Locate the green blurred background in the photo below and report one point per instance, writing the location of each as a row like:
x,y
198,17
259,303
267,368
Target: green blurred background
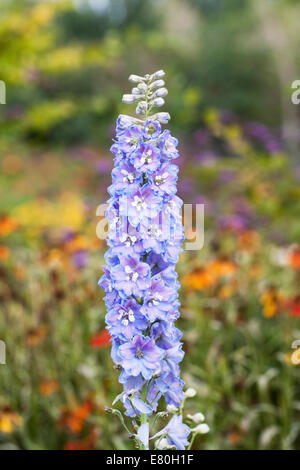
x,y
229,69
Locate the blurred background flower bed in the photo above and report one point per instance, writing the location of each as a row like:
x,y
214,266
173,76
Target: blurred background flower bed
x,y
65,65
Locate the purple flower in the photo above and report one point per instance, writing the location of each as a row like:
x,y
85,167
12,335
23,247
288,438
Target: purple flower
x,y
139,206
80,259
125,319
146,157
168,146
164,179
141,356
125,178
131,276
129,139
176,433
151,130
156,303
140,280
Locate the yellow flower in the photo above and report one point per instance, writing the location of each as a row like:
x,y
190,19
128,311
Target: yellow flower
x,y
42,13
9,420
269,300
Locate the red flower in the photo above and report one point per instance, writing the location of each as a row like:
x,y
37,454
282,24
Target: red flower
x,y
87,443
294,259
75,417
292,306
101,339
295,309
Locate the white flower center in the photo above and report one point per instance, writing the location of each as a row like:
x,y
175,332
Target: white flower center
x,y
132,275
109,285
156,299
139,203
154,231
126,316
127,239
146,157
128,177
159,179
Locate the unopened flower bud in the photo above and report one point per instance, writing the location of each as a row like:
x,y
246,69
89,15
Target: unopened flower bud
x,y
142,86
161,92
161,444
197,417
158,74
128,99
201,428
190,392
158,102
141,107
163,118
135,78
171,409
136,91
157,84
108,410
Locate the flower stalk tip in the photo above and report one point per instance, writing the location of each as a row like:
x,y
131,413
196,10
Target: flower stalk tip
x,y
148,93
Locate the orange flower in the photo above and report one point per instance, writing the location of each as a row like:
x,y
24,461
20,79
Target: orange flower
x,y
269,300
87,443
74,418
19,272
78,243
101,339
294,258
199,279
235,437
35,336
221,267
9,420
7,225
4,252
47,387
249,241
228,290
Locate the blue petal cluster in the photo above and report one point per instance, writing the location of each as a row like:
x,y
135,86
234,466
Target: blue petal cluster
x,y
140,281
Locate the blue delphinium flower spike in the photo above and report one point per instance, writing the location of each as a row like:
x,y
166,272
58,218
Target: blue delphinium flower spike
x,y
139,278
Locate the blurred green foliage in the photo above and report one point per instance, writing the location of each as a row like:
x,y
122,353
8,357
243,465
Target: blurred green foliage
x,y
65,63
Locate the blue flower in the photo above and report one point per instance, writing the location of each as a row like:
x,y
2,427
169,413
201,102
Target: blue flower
x,y
125,319
140,279
168,145
176,433
151,130
141,356
143,434
131,276
129,139
139,205
164,179
146,157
